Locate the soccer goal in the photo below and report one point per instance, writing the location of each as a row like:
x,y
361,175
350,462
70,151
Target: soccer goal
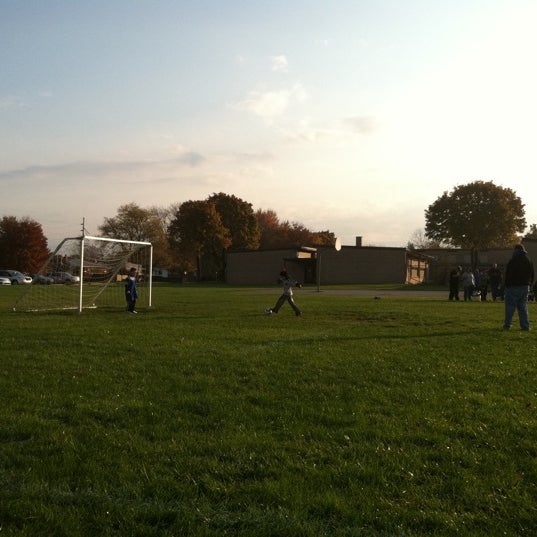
x,y
89,272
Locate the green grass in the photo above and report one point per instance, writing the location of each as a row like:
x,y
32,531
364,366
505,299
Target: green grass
x,y
401,416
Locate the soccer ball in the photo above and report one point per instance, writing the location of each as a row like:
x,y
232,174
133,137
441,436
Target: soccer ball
x,y
268,311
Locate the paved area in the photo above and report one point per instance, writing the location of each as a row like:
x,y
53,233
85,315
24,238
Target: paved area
x,y
411,293
379,292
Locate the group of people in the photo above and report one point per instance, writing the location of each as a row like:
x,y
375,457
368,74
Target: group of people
x,y
476,283
514,288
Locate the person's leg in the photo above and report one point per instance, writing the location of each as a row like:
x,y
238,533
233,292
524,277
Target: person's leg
x,y
522,308
510,306
279,303
294,306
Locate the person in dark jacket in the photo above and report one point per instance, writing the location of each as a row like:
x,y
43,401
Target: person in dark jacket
x,y
131,293
495,280
519,276
454,282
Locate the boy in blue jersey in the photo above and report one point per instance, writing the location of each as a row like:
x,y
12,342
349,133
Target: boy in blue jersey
x,y
131,293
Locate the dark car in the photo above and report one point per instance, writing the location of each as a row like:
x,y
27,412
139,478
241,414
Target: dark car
x,y
63,277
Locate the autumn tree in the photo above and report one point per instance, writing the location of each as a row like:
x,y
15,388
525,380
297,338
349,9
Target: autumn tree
x,y
135,223
268,224
477,215
238,217
23,246
196,234
276,234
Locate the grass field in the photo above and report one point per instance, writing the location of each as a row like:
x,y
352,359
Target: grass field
x,y
404,416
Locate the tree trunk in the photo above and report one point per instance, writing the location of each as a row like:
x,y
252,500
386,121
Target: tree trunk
x,y
198,266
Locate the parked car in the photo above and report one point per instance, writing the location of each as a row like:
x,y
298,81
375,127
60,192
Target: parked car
x,y
15,276
4,280
42,279
63,277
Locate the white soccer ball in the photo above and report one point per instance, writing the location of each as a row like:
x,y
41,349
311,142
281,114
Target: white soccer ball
x,y
268,311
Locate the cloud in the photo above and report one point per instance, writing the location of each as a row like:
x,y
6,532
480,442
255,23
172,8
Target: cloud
x,y
362,124
271,104
10,101
279,63
95,169
305,131
255,157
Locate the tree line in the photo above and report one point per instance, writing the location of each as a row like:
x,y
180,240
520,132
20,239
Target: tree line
x,y
188,237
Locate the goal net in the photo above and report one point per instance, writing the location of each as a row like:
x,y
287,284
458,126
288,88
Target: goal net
x,y
90,272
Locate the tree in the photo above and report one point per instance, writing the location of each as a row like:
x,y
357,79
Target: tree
x,y
475,216
238,217
268,224
276,234
197,233
323,238
532,232
419,241
134,223
23,246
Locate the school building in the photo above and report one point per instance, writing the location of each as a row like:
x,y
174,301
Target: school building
x,y
324,265
359,264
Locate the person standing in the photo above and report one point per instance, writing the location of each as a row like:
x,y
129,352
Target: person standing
x,y
484,284
287,294
495,280
131,293
519,276
454,281
468,284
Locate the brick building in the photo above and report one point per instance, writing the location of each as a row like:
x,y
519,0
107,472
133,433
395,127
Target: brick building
x,y
351,265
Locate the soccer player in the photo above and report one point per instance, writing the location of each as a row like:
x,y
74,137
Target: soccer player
x,y
287,294
131,293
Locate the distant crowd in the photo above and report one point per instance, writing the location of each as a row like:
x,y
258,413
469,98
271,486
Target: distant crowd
x,y
515,287
477,284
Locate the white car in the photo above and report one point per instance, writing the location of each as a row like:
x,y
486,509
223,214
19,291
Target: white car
x,y
4,280
15,276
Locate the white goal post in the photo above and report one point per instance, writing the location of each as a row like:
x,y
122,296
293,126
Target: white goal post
x,y
89,272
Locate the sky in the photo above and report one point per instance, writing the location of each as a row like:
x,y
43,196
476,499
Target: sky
x,y
351,116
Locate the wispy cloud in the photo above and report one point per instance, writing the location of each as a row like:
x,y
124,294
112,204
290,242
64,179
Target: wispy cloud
x,y
279,63
362,124
306,131
84,169
10,101
271,104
